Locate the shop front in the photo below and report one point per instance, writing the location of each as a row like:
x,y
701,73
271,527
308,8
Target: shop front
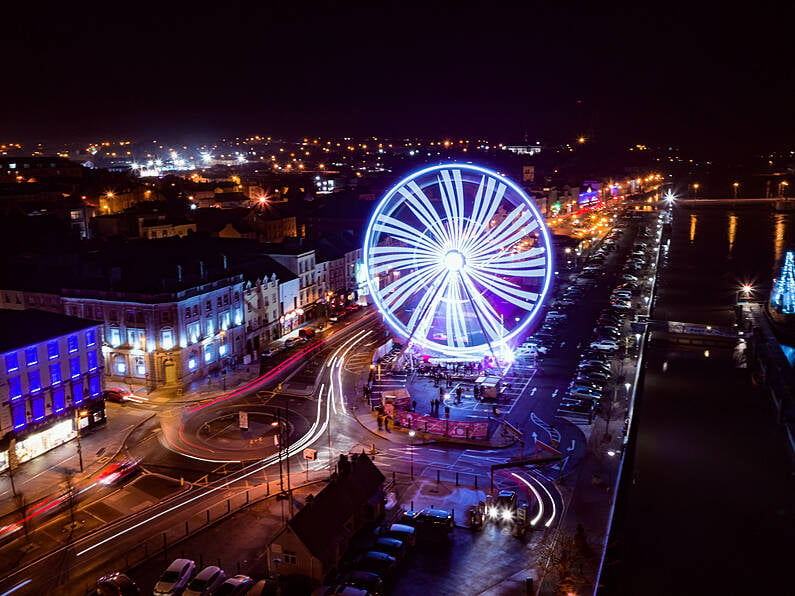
x,y
34,444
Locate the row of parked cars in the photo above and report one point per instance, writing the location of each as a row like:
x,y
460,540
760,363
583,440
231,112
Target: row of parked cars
x,y
180,579
371,568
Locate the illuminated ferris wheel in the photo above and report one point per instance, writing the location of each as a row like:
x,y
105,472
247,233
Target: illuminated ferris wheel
x,y
458,260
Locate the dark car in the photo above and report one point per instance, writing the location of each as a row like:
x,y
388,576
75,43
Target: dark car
x,y
365,580
117,584
118,471
376,562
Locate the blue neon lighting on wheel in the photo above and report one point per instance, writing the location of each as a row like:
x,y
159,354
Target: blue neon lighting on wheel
x,y
458,259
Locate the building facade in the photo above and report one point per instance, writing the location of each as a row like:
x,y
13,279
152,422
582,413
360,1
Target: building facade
x,y
51,382
167,339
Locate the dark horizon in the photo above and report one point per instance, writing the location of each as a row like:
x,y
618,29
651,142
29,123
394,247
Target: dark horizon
x,y
96,71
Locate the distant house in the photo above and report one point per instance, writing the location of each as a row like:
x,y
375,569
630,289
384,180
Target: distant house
x,y
313,541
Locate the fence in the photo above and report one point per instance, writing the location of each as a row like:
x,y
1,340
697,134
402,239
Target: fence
x,y
457,429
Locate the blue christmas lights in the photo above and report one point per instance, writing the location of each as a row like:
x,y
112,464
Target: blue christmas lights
x,y
783,298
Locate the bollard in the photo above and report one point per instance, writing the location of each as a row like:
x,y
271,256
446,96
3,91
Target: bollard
x,y
246,497
228,505
476,482
412,505
187,531
456,478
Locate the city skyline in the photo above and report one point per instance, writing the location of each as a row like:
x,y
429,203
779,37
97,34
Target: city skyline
x,y
401,71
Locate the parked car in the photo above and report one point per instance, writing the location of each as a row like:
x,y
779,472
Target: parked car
x,y
585,392
206,581
306,333
175,578
391,546
267,353
333,319
629,277
365,580
403,532
235,586
377,562
117,584
606,345
289,343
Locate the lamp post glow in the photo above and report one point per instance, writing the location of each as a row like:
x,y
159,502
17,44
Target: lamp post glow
x,y
735,187
411,436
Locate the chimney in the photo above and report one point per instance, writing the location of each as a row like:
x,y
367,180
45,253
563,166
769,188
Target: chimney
x,y
226,262
202,272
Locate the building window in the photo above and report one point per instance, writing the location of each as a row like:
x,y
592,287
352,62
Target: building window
x,y
71,344
238,317
210,326
37,405
34,381
18,416
208,353
165,317
167,339
226,299
12,362
120,364
31,357
92,360
135,337
52,349
219,302
77,394
140,367
74,367
209,305
192,361
94,386
91,337
58,400
98,312
55,374
14,388
114,337
225,320
222,350
193,332
195,310
290,558
236,297
187,312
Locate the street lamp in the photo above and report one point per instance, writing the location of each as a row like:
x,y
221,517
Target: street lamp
x,y
78,415
411,437
695,190
782,188
627,386
735,187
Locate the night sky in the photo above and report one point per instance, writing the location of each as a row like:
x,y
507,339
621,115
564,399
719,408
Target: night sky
x,y
662,74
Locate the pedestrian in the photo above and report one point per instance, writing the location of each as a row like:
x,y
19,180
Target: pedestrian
x,y
380,422
386,423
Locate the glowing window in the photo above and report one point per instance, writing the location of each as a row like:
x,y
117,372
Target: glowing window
x,y
77,394
18,416
74,366
12,362
55,374
52,350
34,380
14,388
31,356
58,400
37,405
71,344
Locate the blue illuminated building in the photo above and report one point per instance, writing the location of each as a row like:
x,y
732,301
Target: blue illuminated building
x,y
50,367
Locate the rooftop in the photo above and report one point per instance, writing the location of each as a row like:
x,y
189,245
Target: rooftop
x,y
23,328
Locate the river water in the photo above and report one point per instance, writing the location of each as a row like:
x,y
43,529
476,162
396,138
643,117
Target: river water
x,y
713,251
707,504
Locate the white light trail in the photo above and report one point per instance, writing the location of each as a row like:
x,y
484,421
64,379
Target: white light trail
x,y
540,514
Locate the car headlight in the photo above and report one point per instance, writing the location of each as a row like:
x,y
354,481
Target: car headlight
x,y
492,512
506,514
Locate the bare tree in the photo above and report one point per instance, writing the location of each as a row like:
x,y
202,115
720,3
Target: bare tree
x,y
567,560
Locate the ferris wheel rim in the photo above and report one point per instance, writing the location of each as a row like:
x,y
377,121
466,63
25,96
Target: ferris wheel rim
x,y
391,199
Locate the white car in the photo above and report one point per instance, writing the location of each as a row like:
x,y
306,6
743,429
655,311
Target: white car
x,y
629,277
175,578
605,345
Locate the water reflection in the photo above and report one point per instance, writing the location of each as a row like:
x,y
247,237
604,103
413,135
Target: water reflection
x,y
693,222
778,237
732,231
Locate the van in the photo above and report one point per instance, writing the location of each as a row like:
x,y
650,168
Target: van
x,y
406,534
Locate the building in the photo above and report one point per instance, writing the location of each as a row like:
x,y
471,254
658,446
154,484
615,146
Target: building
x,y
298,256
314,539
51,376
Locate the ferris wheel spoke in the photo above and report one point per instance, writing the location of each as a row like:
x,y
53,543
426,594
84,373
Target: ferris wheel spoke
x,y
517,268
396,293
507,232
452,192
483,211
420,320
419,204
399,229
400,258
488,318
455,318
524,299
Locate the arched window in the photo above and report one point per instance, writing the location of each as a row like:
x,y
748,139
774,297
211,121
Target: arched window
x,y
119,364
192,360
166,338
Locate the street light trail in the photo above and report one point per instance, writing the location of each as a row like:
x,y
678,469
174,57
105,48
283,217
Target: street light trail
x,y
538,517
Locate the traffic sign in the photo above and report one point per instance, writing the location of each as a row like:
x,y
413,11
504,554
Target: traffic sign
x,y
310,453
243,419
